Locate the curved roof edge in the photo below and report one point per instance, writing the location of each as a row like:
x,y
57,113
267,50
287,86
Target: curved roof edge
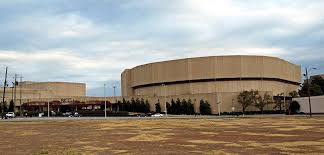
x,y
209,57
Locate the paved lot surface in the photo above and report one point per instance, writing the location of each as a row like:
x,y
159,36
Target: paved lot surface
x,y
208,135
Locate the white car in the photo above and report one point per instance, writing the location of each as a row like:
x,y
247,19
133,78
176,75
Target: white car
x,y
157,115
10,115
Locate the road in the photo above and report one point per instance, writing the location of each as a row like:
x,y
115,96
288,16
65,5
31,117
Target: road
x,y
27,119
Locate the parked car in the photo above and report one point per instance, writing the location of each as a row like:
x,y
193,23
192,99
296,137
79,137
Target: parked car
x,y
75,114
157,115
67,114
53,113
41,114
142,115
10,115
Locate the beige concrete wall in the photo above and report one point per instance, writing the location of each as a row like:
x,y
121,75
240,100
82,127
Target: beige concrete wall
x,y
276,87
49,89
126,83
33,90
214,67
317,103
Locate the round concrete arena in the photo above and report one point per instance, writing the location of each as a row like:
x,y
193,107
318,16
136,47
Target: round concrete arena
x,y
221,77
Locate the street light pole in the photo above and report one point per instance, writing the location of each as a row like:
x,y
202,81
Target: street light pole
x,y
20,85
15,88
48,114
308,92
114,87
114,90
105,101
48,101
165,107
4,91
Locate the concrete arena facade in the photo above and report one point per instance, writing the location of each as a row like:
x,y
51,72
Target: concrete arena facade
x,y
215,78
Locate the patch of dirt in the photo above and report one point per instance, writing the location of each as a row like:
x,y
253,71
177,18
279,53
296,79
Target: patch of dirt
x,y
282,135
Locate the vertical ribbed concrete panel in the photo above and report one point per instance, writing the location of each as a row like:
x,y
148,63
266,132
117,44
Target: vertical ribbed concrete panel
x,y
126,83
201,77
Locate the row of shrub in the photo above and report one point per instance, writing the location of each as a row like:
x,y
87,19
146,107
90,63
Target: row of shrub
x,y
183,106
134,105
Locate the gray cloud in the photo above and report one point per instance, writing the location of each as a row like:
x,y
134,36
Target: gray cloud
x,y
93,42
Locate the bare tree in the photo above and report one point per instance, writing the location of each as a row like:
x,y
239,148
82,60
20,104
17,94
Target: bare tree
x,y
278,102
245,98
261,102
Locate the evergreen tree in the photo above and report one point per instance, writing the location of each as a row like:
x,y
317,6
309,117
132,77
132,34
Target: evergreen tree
x,y
172,107
191,109
168,106
119,105
124,105
5,106
128,106
137,104
178,107
204,107
184,107
11,106
318,80
132,105
314,89
147,106
294,107
142,107
158,107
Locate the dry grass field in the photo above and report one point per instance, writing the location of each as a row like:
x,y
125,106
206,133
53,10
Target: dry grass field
x,y
284,135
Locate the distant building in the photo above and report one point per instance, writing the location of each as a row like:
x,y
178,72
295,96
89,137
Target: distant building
x,y
37,94
34,90
217,79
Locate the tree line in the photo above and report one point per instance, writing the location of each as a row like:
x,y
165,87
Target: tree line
x,y
254,98
184,106
134,105
175,107
7,108
316,87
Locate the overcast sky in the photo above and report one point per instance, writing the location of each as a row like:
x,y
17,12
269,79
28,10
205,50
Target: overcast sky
x,y
94,41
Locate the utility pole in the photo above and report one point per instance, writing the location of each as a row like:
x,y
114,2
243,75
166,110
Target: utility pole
x,y
114,97
4,90
48,113
308,92
15,89
165,107
12,93
20,109
284,97
219,105
114,90
105,101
